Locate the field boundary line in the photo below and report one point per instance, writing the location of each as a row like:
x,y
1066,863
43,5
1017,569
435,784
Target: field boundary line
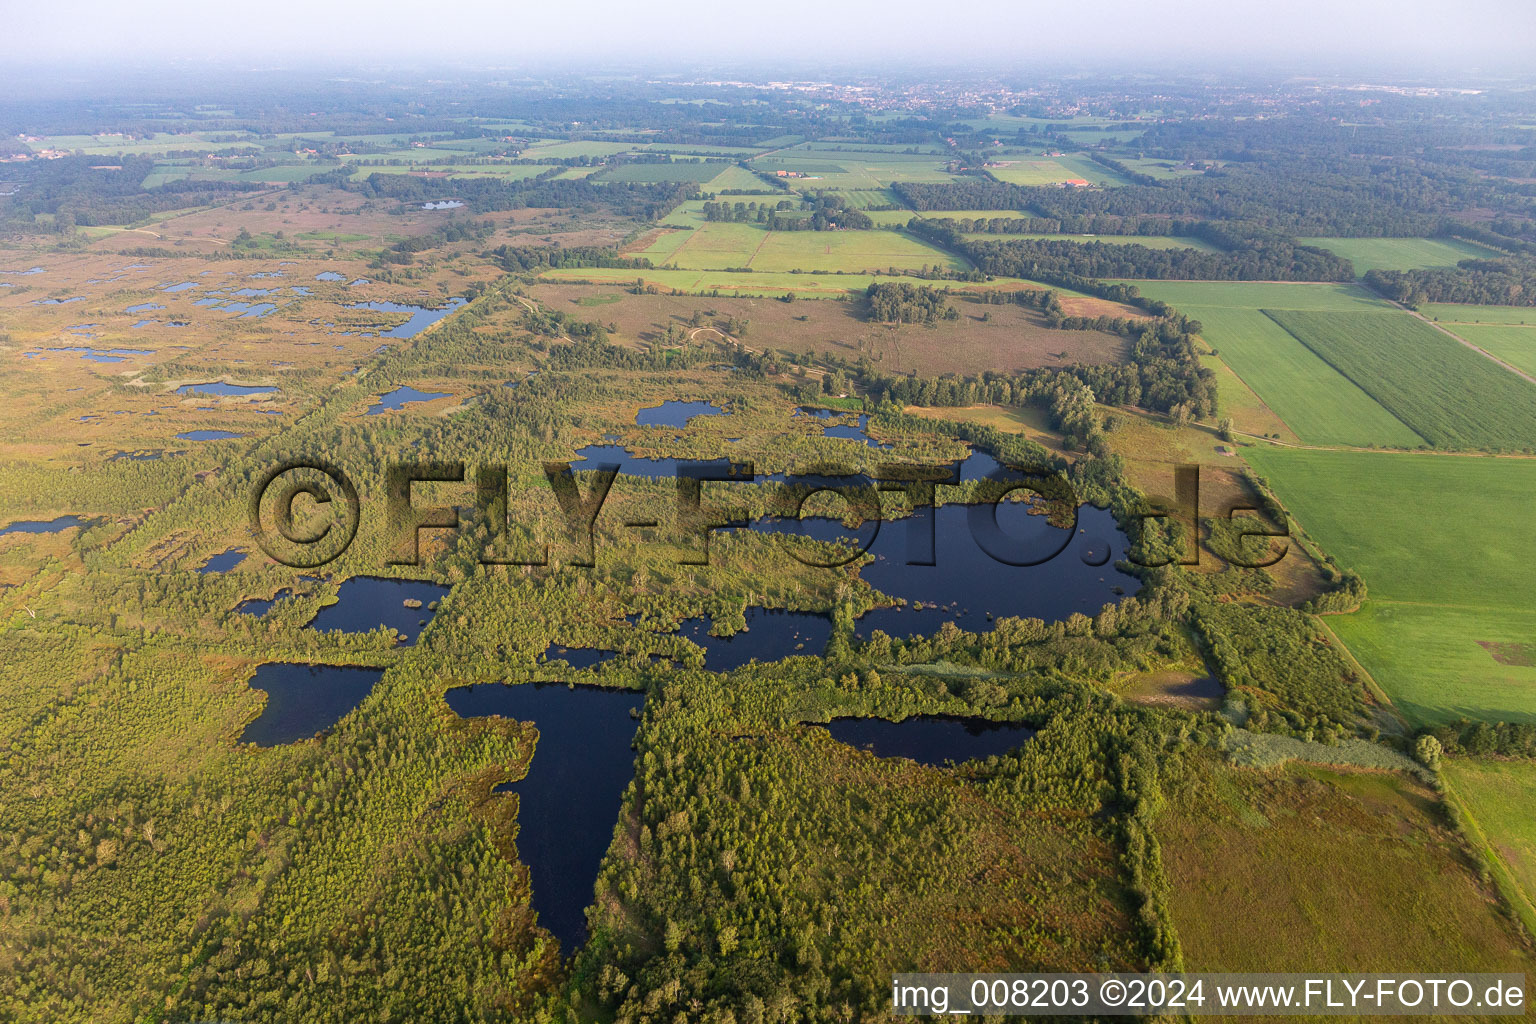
x,y
1363,389
1480,351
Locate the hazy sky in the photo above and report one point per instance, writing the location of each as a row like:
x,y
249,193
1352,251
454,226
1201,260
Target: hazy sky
x,y
1466,33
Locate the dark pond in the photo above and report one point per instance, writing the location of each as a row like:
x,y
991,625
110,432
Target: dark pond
x,y
368,602
965,584
571,797
207,435
930,740
421,316
110,355
45,526
223,561
629,463
303,700
847,431
577,657
219,387
260,605
676,414
398,398
144,456
771,634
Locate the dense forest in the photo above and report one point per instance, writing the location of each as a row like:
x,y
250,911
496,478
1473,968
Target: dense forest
x,y
1493,282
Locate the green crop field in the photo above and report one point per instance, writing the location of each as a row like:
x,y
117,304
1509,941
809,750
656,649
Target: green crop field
x,y
1513,344
1452,313
689,170
1446,392
1400,253
738,178
856,171
1432,536
1317,402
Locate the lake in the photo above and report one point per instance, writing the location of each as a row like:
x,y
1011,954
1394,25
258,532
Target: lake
x,y
573,791
965,584
422,317
219,387
303,700
223,561
365,603
207,435
398,398
930,739
676,414
44,526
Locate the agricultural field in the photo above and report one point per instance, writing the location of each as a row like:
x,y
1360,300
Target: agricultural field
x,y
696,171
1516,345
1449,610
1052,171
1447,393
851,171
1242,847
1313,399
1400,253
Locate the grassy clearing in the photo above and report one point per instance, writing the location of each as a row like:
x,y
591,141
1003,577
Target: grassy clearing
x,y
1015,338
1452,396
1317,402
720,246
1437,539
1242,851
1400,253
1515,345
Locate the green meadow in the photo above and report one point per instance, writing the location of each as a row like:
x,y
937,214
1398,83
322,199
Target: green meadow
x,y
1449,394
1440,542
1400,253
720,245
